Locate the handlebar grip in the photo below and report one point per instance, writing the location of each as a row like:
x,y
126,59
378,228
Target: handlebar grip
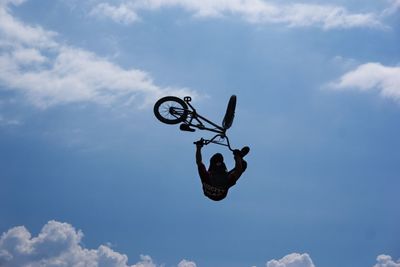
x,y
201,141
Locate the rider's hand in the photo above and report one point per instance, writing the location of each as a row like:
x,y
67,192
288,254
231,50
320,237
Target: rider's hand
x,y
237,153
200,143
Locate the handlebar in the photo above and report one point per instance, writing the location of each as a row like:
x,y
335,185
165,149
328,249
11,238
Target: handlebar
x,y
212,140
202,141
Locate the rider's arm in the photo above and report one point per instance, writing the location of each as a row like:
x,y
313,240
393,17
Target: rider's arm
x,y
204,175
198,155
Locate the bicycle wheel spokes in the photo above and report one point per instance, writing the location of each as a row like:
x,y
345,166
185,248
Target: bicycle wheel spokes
x,y
170,110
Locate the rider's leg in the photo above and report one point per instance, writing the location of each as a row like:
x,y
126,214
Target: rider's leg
x,y
233,182
245,150
244,165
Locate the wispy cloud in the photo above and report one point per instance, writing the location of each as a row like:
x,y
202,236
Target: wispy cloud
x,y
8,122
15,33
253,11
49,72
393,8
371,76
121,14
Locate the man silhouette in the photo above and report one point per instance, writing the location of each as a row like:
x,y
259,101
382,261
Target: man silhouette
x,y
217,179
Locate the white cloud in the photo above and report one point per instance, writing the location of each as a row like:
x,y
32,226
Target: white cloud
x,y
145,261
292,260
49,72
386,261
253,11
185,263
58,244
372,76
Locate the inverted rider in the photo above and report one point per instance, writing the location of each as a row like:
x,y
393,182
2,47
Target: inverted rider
x,y
217,179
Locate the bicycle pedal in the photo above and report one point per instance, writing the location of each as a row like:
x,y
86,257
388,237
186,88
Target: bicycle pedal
x,y
185,127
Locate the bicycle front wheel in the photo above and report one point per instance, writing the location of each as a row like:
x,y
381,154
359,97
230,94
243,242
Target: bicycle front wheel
x,y
230,113
170,110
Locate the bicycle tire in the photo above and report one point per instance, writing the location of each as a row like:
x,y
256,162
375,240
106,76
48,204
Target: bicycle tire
x,y
230,113
162,110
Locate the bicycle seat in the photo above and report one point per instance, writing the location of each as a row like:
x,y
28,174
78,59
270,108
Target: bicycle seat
x,y
185,127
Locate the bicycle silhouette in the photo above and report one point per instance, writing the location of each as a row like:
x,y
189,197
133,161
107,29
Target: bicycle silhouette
x,y
174,110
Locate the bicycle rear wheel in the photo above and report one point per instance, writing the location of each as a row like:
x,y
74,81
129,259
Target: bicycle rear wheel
x,y
230,113
170,110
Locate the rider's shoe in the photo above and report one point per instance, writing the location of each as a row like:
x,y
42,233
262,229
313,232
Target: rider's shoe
x,y
245,150
185,127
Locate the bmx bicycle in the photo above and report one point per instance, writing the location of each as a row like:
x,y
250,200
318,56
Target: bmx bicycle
x,y
174,110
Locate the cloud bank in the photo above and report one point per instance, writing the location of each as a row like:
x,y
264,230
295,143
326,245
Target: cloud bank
x,y
252,11
58,244
49,72
371,76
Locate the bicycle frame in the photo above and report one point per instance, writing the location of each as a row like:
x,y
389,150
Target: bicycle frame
x,y
195,120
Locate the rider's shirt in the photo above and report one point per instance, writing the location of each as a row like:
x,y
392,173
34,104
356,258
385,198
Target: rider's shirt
x,y
213,192
215,188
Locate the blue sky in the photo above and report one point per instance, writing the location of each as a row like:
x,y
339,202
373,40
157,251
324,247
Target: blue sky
x,y
89,176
